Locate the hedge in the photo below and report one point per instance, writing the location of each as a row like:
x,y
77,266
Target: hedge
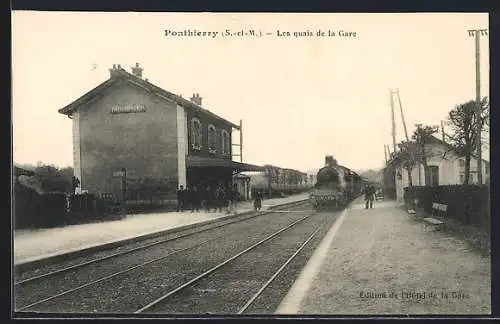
x,y
32,210
38,211
467,204
25,206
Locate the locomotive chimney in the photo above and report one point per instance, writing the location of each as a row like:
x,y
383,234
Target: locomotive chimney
x,y
329,160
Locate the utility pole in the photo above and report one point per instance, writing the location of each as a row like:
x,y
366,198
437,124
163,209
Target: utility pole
x,y
402,114
241,141
476,33
393,123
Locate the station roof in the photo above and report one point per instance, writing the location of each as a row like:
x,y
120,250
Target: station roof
x,y
121,74
201,162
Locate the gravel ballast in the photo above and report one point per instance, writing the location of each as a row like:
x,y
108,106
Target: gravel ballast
x,y
228,288
127,292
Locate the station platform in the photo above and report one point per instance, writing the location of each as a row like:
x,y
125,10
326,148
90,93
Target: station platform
x,y
384,261
36,244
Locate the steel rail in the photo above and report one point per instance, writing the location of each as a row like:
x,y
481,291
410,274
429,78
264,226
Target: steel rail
x,y
79,265
258,293
114,275
209,271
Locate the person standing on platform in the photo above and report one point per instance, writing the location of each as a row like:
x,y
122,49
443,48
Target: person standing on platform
x,y
181,198
187,198
195,199
75,184
369,196
207,199
233,198
220,197
257,203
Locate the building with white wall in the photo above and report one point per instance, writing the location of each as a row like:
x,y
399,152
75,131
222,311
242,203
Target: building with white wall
x,y
130,135
445,167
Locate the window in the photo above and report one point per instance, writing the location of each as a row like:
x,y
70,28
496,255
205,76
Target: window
x,y
212,139
433,172
196,134
487,168
472,178
461,162
225,145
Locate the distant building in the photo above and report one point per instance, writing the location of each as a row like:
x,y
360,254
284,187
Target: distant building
x,y
129,128
445,167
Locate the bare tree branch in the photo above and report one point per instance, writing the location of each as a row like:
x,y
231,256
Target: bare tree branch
x,y
463,121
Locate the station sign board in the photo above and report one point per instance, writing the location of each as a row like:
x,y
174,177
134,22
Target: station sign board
x,y
127,109
118,174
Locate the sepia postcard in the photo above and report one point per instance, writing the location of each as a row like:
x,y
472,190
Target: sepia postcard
x,y
276,164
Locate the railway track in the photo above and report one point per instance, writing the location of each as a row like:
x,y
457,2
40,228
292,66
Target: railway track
x,y
40,289
65,266
159,304
136,271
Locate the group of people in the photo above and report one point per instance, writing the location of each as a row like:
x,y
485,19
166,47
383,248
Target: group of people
x,y
209,198
191,198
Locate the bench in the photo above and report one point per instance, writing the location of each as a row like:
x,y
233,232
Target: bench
x,y
433,221
438,210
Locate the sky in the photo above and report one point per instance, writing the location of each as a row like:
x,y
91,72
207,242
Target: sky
x,y
300,97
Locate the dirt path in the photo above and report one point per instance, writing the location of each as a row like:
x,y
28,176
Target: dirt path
x,y
383,262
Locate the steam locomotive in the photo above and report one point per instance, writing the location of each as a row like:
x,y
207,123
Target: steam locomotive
x,y
335,186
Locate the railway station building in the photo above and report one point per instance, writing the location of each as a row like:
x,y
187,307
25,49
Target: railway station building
x,y
134,139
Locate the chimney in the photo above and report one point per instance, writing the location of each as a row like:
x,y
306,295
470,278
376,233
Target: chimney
x,y
196,99
137,70
114,71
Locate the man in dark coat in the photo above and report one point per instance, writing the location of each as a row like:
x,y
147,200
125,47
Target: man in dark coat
x,y
208,198
195,199
220,197
257,203
369,192
233,199
75,182
181,198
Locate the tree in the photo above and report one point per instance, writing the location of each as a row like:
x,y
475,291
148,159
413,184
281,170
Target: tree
x,y
421,137
463,122
67,172
408,154
52,179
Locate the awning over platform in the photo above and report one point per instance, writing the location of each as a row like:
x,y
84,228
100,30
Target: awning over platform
x,y
201,162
